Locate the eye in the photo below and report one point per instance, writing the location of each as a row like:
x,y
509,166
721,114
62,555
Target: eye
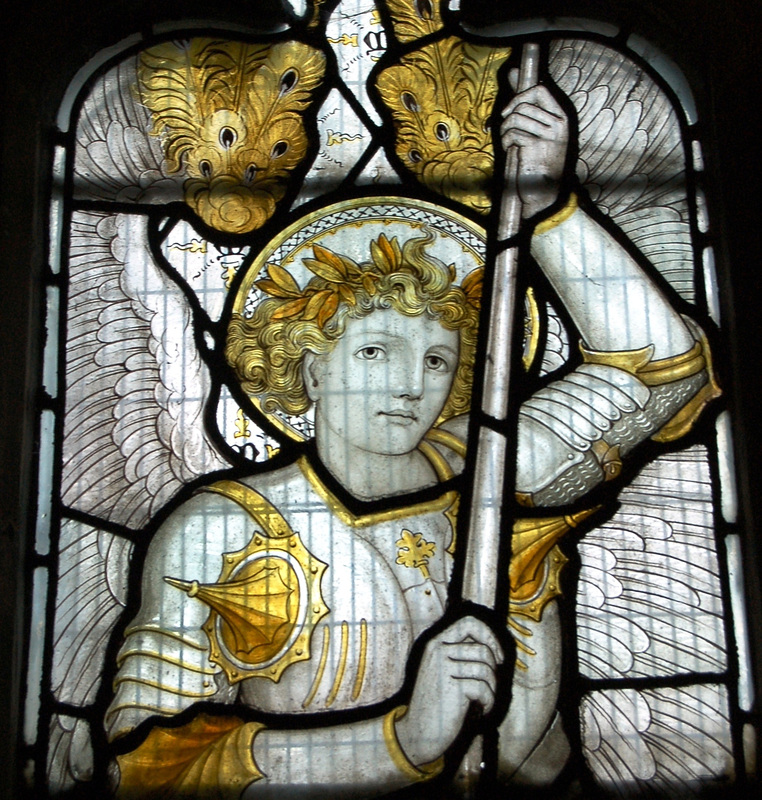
x,y
227,137
371,353
250,173
436,363
409,101
205,168
442,132
288,81
415,156
424,9
279,148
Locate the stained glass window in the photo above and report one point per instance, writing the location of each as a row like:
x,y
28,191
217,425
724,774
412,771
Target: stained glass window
x,y
381,441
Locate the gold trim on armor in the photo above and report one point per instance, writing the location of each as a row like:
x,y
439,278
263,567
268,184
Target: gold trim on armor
x,y
449,440
548,588
641,364
609,458
424,772
259,509
666,370
557,218
342,665
686,417
365,520
537,561
523,630
321,668
531,329
208,757
360,677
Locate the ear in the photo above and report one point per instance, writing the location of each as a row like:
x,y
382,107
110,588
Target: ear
x,y
310,376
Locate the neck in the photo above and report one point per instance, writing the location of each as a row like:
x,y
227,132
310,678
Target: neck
x,y
372,476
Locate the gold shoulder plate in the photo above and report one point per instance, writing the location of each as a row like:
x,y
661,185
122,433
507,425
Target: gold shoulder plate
x,y
267,601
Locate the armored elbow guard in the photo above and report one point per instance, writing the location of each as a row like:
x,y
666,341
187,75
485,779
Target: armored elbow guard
x,y
574,433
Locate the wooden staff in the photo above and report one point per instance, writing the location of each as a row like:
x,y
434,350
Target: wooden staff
x,y
480,578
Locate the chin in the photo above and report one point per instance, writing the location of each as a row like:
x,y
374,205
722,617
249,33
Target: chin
x,y
395,442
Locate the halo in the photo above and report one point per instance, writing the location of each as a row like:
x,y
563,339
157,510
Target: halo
x,y
348,228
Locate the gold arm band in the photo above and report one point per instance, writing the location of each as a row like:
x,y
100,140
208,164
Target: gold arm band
x,y
641,364
557,218
424,772
686,417
665,370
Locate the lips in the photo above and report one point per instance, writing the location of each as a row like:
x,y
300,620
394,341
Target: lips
x,y
400,416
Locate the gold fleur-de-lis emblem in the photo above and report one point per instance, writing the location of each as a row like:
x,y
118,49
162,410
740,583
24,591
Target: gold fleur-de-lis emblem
x,y
414,551
242,430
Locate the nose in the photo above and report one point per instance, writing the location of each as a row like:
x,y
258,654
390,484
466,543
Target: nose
x,y
408,383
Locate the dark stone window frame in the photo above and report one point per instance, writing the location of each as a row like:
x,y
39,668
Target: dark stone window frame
x,y
716,46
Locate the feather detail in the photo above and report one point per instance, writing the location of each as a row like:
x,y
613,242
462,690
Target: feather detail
x,y
412,19
631,156
231,117
441,98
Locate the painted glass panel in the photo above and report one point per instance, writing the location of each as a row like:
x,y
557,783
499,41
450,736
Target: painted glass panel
x,y
341,307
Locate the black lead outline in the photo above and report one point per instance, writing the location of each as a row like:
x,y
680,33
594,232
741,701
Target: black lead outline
x,y
575,685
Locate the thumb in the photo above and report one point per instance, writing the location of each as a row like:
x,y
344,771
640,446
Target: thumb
x,y
513,78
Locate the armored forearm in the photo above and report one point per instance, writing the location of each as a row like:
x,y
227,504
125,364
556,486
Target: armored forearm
x,y
574,433
647,370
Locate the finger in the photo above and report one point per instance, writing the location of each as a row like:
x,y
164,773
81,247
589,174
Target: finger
x,y
538,113
471,651
478,691
538,96
513,78
470,628
475,670
522,124
520,138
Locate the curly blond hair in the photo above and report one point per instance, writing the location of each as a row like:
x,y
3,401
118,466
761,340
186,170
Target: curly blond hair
x,y
266,351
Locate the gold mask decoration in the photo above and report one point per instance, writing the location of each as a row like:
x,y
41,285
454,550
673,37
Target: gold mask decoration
x,y
441,99
231,115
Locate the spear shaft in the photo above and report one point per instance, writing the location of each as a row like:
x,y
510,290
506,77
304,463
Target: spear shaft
x,y
480,580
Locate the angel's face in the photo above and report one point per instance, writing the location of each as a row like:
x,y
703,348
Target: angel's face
x,y
385,382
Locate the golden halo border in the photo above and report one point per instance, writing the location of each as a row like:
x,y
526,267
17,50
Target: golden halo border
x,y
334,209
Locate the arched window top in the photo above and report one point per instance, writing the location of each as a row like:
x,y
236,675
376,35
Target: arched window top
x,y
254,234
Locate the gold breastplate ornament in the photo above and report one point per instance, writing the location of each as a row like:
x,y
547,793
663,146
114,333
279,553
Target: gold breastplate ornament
x,y
267,601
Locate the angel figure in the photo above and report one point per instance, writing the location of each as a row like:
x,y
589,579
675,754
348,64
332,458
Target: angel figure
x,y
295,633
